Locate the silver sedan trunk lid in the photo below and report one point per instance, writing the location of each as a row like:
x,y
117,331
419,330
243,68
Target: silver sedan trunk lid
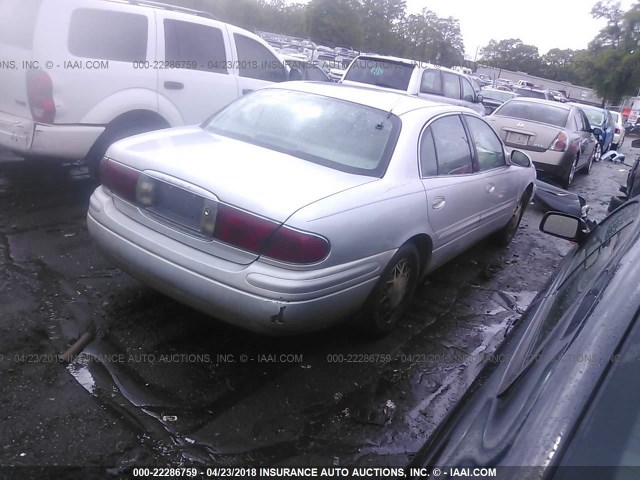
x,y
524,134
256,179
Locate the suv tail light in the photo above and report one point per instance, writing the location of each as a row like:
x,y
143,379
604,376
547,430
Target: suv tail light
x,y
617,130
560,143
40,95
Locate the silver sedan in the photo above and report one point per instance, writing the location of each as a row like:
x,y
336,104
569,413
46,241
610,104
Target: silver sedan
x,y
300,205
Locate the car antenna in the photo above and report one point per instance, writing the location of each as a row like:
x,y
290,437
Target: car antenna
x,y
380,126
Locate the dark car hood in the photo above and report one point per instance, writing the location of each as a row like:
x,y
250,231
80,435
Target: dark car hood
x,y
522,406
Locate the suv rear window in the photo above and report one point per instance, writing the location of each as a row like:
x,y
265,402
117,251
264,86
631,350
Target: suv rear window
x,y
18,22
381,73
535,112
108,35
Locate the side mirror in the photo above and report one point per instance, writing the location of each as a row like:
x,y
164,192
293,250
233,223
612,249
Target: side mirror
x,y
597,131
636,143
520,158
565,226
295,74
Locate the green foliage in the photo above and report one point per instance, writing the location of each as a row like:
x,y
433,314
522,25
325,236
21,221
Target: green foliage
x,y
611,64
380,26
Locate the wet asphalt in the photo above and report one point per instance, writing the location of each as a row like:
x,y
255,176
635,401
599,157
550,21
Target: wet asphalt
x,y
161,384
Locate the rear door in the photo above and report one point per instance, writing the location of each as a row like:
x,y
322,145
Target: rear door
x,y
502,189
455,195
195,69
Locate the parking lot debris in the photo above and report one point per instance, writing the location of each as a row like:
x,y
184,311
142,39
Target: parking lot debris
x,y
77,346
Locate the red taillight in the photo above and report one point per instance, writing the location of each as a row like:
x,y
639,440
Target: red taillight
x,y
40,95
617,130
293,246
118,178
250,232
242,229
560,143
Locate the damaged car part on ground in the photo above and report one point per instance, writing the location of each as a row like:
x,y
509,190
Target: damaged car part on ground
x,y
292,247
553,198
561,396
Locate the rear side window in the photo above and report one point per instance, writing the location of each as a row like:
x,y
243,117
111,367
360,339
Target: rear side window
x,y
452,146
431,82
428,162
108,35
468,93
199,45
381,73
255,61
451,85
18,22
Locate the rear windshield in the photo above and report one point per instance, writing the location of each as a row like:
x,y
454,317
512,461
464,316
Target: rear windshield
x,y
381,73
616,117
525,92
335,133
496,95
535,112
596,117
18,22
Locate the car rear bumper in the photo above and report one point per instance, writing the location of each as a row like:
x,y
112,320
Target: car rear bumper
x,y
550,163
27,138
259,296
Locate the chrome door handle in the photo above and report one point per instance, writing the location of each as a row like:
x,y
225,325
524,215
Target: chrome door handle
x,y
491,188
438,203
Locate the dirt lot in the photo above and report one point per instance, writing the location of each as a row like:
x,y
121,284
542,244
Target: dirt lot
x,y
163,384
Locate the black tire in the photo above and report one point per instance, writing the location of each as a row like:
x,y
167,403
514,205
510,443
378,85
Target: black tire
x,y
504,236
597,152
571,174
111,135
587,168
392,294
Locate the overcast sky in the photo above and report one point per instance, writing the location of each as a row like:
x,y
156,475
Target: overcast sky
x,y
546,24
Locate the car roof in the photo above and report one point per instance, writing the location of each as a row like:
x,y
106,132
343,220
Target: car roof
x,y
542,101
588,107
496,90
415,63
398,102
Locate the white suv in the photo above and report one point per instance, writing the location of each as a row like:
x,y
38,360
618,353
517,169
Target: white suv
x,y
78,75
421,79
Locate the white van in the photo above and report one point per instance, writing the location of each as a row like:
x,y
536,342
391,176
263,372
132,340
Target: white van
x,y
77,75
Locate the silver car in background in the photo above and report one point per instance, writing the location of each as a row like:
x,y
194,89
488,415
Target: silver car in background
x,y
557,136
299,205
